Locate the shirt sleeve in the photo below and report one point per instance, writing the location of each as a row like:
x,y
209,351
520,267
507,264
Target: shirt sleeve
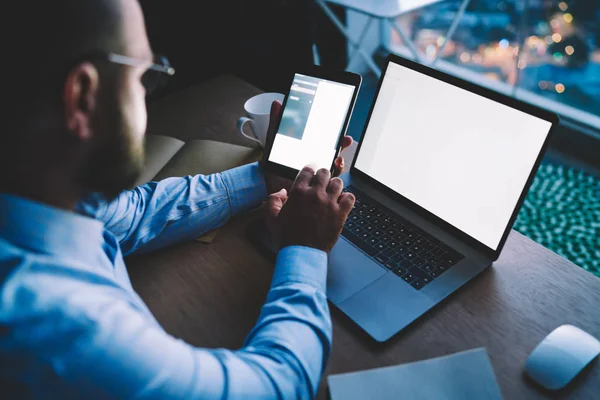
x,y
116,352
161,213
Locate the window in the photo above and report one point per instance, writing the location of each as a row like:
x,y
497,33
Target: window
x,y
545,52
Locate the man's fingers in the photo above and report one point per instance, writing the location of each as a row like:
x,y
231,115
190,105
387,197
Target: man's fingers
x,y
281,195
305,176
346,142
275,202
339,162
274,120
321,179
338,166
275,114
335,187
346,202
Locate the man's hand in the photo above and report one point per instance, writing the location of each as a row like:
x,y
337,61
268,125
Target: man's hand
x,y
274,182
314,213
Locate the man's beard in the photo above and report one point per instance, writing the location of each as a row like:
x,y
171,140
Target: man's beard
x,y
115,165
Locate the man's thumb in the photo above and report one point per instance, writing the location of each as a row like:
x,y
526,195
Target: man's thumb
x,y
282,194
276,202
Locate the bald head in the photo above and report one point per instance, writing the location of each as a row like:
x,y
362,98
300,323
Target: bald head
x,y
81,26
46,36
71,108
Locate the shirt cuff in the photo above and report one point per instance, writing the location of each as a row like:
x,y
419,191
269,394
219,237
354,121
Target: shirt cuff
x,y
301,265
246,187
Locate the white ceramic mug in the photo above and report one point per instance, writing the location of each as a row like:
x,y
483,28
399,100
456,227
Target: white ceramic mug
x,y
258,109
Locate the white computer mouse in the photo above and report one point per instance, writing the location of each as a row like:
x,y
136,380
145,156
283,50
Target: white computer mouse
x,y
561,356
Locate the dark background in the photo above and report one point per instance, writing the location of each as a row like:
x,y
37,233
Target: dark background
x,y
262,42
265,41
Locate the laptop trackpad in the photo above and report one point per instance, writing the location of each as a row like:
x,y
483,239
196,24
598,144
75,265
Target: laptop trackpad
x,y
386,306
350,270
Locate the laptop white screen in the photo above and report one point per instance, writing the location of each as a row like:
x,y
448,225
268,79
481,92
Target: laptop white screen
x,y
460,156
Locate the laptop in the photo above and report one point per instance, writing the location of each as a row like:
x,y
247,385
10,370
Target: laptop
x,y
440,173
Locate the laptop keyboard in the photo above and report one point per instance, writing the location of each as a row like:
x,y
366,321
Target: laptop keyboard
x,y
397,244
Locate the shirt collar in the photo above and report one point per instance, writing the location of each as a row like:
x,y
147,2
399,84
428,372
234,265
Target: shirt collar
x,y
46,229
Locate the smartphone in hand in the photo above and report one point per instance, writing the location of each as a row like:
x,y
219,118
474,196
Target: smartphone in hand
x,y
315,117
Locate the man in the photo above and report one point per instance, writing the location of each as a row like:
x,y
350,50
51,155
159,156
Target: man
x,y
71,325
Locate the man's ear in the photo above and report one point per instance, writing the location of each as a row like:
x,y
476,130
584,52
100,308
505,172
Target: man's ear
x,y
80,100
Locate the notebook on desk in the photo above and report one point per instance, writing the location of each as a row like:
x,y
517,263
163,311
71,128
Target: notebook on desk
x,y
466,375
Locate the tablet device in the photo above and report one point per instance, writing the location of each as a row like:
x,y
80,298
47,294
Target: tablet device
x,y
315,116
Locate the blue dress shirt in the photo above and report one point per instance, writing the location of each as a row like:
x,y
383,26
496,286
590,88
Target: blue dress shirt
x,y
71,325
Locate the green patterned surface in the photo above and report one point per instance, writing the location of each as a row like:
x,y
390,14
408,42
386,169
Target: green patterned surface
x,y
562,213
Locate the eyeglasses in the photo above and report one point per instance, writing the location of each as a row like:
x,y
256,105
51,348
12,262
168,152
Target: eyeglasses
x,y
156,75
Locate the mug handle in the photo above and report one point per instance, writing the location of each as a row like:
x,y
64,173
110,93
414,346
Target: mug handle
x,y
241,122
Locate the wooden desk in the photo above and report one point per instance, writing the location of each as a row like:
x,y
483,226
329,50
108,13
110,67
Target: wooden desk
x,y
210,296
